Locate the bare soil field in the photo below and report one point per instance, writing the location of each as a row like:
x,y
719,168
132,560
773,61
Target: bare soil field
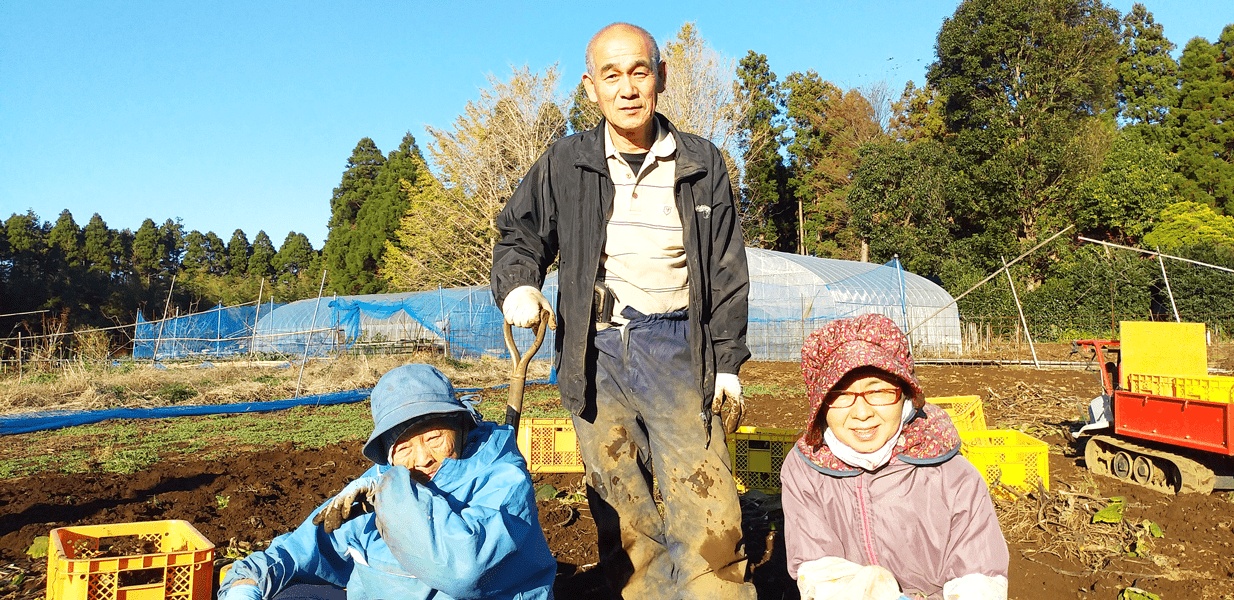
x,y
1056,552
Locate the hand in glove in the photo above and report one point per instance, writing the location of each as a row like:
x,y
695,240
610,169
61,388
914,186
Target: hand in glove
x,y
728,397
354,500
523,307
833,578
242,591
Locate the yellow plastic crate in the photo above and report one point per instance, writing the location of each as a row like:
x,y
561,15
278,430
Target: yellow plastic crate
x,y
1158,385
549,446
1008,457
1214,388
178,563
757,454
966,411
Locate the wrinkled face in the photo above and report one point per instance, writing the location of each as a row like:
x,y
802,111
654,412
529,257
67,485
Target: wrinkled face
x,y
863,427
424,446
625,82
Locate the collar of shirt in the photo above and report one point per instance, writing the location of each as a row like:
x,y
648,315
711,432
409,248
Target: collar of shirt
x,y
663,147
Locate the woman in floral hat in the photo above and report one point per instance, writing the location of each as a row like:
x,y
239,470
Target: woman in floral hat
x,y
878,502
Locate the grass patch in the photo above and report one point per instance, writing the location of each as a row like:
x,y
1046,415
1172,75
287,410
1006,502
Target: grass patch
x,y
129,446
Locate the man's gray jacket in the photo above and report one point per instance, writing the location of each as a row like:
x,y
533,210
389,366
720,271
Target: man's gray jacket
x,y
565,202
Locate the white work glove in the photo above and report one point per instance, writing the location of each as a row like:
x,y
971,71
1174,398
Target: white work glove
x,y
355,500
523,306
728,398
976,586
833,578
241,591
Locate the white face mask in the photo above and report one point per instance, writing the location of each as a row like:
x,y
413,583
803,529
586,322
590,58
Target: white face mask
x,y
869,460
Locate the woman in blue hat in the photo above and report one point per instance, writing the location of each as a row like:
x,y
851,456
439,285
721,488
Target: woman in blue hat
x,y
447,511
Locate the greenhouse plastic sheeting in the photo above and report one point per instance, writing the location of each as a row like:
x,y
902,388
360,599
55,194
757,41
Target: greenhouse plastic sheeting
x,y
26,423
790,296
219,332
463,322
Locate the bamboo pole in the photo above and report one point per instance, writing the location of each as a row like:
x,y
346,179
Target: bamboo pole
x,y
304,359
257,316
155,355
1167,287
1023,321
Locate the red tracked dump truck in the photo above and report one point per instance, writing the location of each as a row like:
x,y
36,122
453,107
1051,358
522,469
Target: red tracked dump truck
x,y
1162,421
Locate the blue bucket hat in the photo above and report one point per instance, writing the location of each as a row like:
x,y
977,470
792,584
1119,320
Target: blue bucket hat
x,y
405,394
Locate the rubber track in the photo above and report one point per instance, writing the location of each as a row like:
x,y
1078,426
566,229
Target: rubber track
x,y
1194,477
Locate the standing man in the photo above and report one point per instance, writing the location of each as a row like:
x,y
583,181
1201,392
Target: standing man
x,y
652,296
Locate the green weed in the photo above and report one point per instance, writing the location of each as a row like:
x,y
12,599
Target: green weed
x,y
176,393
269,379
50,377
222,501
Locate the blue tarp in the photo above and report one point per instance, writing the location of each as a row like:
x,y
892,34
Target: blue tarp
x,y
47,420
28,422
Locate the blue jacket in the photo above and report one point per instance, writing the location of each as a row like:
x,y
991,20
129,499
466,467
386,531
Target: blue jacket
x,y
472,532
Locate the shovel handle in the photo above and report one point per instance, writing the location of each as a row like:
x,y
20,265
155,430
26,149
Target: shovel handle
x,y
518,369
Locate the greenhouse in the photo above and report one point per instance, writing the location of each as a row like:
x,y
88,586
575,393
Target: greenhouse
x,y
790,296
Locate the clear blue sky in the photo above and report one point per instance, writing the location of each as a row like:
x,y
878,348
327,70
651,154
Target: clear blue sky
x,y
239,114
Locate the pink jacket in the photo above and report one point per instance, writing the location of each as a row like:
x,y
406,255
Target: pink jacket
x,y
926,516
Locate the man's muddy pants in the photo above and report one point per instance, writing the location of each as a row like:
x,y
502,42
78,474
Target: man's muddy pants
x,y
647,422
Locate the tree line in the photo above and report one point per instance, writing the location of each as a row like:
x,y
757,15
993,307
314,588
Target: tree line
x,y
1035,115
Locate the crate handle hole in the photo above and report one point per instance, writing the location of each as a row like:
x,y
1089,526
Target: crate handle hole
x,y
140,577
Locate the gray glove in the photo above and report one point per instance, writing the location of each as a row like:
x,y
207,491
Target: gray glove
x,y
355,500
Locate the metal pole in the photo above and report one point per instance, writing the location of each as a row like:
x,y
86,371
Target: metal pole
x,y
1167,286
1023,321
257,316
994,274
1142,251
159,338
312,327
903,302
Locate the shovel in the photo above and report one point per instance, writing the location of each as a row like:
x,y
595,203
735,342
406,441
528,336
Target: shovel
x,y
518,371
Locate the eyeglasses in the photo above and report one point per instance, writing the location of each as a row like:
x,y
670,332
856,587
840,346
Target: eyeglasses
x,y
879,397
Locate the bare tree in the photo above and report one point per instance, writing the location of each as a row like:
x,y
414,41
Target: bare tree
x,y
447,236
699,97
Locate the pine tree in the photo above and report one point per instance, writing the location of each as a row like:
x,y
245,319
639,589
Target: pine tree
x,y
294,256
238,251
65,240
378,217
357,186
194,259
101,247
584,114
768,215
262,258
1147,76
1203,121
216,254
147,250
171,244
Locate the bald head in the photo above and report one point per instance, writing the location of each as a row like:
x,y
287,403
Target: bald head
x,y
653,50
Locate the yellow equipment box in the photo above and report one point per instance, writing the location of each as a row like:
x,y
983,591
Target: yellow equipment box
x,y
1008,457
966,411
156,560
